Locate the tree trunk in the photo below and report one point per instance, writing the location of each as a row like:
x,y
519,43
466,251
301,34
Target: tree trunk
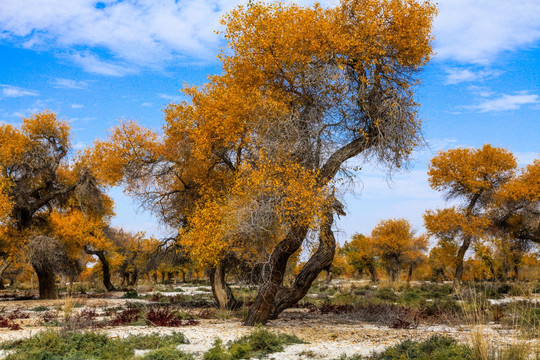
x,y
409,273
460,256
262,308
320,261
134,277
3,267
105,267
372,272
222,292
47,285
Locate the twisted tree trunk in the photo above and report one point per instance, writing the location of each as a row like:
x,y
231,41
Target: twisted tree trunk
x,y
105,267
273,297
221,290
263,307
320,261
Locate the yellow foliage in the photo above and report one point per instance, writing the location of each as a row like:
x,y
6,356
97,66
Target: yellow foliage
x,y
466,172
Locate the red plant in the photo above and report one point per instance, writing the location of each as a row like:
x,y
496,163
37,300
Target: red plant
x,y
131,314
9,324
167,317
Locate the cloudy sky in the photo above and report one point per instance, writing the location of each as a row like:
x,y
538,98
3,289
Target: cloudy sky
x,y
95,63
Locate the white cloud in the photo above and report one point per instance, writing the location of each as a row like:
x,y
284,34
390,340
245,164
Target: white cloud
x,y
131,32
79,145
507,102
171,98
154,33
13,91
69,84
525,158
456,76
77,106
94,64
477,31
146,104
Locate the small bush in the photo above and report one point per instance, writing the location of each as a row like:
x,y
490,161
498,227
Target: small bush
x,y
127,316
155,341
387,294
8,323
167,317
167,353
40,308
257,344
130,294
435,348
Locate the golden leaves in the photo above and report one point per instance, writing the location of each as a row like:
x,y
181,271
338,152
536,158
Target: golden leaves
x,y
465,172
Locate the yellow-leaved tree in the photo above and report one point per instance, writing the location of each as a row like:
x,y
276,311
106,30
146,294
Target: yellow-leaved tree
x,y
36,182
246,167
360,253
473,176
397,247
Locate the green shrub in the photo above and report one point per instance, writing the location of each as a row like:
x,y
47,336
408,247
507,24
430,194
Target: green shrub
x,y
217,352
167,353
257,344
52,345
387,294
435,348
130,294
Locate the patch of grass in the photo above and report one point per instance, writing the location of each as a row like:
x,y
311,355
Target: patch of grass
x,y
40,308
255,345
435,348
155,341
85,346
130,294
387,294
167,353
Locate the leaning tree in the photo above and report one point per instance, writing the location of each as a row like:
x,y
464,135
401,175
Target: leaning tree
x,y
248,166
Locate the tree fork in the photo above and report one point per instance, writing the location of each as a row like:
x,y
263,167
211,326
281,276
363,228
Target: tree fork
x,y
262,308
105,267
320,261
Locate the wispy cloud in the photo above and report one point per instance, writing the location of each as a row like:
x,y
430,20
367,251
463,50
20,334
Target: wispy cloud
x,y
507,102
456,76
146,104
172,98
77,106
69,84
477,31
13,91
94,64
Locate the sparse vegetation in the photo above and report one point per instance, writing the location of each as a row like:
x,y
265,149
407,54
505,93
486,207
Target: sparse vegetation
x,y
259,343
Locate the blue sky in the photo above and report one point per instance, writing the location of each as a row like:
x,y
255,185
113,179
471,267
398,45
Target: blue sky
x,y
95,63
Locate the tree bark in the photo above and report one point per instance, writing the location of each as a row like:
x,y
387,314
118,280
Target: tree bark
x,y
459,258
47,285
409,273
105,267
273,273
466,242
221,290
5,264
372,272
320,261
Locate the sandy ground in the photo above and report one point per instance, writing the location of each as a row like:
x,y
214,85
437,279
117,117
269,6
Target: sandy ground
x,y
326,336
